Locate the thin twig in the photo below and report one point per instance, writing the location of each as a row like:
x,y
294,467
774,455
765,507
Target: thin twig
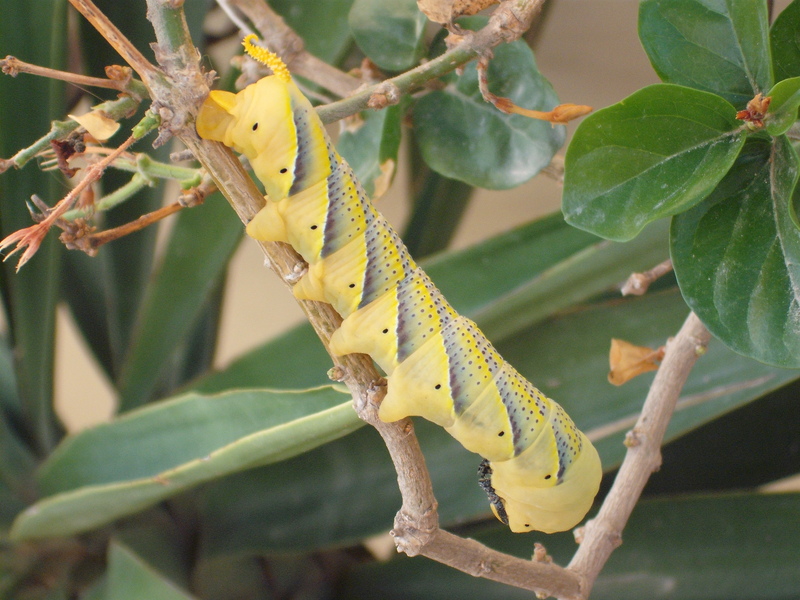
x,y
31,237
290,47
90,242
117,39
603,534
508,23
11,65
638,283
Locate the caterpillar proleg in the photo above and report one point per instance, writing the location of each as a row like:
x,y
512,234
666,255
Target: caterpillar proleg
x,y
541,472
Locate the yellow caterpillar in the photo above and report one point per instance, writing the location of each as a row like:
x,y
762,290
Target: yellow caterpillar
x,y
540,471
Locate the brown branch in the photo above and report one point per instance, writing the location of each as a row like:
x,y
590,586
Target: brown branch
x,y
603,534
77,238
117,39
13,66
290,47
638,283
31,237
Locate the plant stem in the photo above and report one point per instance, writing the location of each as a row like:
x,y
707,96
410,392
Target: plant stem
x,y
603,534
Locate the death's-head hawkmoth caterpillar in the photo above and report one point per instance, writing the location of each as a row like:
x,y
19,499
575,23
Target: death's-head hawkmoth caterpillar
x,y
541,472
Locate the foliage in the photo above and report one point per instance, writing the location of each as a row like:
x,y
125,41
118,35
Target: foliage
x,y
251,482
727,179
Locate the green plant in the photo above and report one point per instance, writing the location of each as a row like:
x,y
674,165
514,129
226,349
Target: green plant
x,y
214,485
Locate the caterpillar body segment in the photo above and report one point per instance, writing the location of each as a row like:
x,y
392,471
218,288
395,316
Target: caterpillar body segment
x,y
543,472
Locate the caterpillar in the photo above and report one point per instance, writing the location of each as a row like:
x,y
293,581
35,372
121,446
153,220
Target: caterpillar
x,y
540,472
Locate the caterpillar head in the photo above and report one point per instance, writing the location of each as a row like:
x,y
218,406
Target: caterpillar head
x,y
258,122
528,504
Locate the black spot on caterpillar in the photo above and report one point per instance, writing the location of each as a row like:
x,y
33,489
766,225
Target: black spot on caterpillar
x,y
545,473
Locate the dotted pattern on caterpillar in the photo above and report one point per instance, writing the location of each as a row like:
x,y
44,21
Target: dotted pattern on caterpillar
x,y
540,472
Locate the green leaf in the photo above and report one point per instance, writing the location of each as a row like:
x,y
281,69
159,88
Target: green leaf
x,y
737,256
17,461
371,145
785,42
783,107
296,360
240,577
390,34
202,241
464,137
9,399
438,208
718,46
655,154
726,546
322,25
156,452
29,296
129,577
85,288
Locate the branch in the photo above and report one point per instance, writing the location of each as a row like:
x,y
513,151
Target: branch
x,y
508,23
603,534
638,283
290,47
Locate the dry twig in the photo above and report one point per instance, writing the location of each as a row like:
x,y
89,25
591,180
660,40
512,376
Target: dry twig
x,y
603,534
638,283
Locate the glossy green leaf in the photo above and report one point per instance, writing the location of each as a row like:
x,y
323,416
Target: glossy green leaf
x,y
464,137
346,490
718,46
129,577
655,154
322,25
156,452
737,256
783,107
727,546
202,241
784,38
371,145
390,34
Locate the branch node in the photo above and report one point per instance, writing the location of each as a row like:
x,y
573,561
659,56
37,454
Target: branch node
x,y
412,534
337,373
297,273
540,554
632,439
385,94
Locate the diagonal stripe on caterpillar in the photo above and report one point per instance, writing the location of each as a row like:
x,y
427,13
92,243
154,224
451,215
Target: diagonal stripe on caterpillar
x,y
540,472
